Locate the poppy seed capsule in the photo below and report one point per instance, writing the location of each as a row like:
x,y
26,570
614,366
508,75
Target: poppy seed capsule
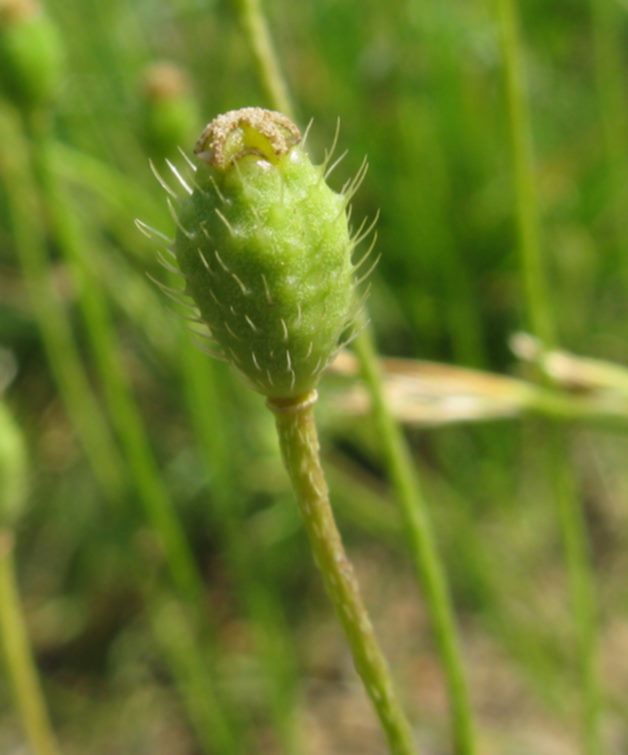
x,y
264,247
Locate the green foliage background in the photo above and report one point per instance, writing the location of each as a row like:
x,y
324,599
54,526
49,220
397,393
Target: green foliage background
x,y
128,665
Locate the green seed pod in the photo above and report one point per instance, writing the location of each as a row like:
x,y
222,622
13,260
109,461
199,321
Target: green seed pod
x,y
168,113
264,246
30,54
13,469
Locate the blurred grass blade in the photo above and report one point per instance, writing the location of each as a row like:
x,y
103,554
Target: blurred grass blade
x,y
20,663
52,319
538,306
139,459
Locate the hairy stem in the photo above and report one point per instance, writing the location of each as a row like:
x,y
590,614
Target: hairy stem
x,y
20,663
300,449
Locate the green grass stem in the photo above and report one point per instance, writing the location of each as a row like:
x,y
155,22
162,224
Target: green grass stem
x,y
191,672
536,290
608,20
20,664
422,543
581,588
538,306
267,65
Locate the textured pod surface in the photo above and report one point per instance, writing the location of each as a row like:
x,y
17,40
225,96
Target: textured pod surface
x,y
264,246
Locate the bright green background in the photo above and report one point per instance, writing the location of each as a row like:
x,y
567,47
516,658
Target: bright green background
x,y
419,88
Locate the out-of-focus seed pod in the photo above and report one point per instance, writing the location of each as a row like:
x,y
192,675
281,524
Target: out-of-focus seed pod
x,y
30,55
13,469
265,250
168,112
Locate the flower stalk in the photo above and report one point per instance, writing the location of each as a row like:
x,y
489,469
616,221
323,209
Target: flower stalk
x,y
299,443
265,252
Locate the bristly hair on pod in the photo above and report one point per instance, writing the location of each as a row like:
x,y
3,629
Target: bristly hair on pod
x,y
264,250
